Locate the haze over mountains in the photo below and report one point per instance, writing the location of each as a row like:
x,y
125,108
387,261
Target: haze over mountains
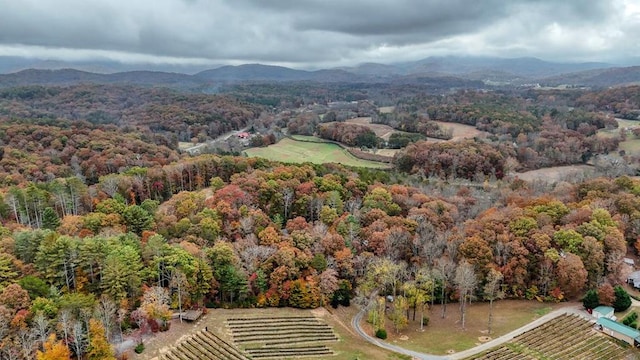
x,y
516,71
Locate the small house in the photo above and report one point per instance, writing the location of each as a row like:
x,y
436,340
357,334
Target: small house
x,y
617,330
629,261
244,135
603,311
634,279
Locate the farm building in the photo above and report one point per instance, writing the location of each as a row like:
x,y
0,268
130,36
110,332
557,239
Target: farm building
x,y
244,135
634,279
617,330
603,311
629,261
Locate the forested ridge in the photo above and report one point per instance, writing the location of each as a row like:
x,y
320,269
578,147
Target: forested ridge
x,y
179,116
107,229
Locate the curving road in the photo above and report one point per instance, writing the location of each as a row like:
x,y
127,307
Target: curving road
x,y
355,323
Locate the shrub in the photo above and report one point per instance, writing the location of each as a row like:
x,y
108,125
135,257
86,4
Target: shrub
x,y
622,300
590,300
139,348
381,334
165,326
425,320
630,319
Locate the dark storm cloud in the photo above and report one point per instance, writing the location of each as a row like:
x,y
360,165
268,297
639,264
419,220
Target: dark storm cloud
x,y
388,17
313,32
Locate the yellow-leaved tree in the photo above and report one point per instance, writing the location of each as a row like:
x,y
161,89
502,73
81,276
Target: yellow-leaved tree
x,y
54,350
99,348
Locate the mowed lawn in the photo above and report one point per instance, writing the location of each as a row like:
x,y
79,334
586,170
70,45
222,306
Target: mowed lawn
x,y
446,336
288,150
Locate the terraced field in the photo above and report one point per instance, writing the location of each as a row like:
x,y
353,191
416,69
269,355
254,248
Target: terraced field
x,y
566,337
203,345
282,337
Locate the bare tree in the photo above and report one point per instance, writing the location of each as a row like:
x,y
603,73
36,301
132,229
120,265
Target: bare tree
x,y
78,338
253,256
492,291
178,282
287,200
105,312
9,351
41,328
319,230
121,318
396,242
545,275
109,185
353,205
444,272
64,323
428,242
247,223
466,281
5,320
27,340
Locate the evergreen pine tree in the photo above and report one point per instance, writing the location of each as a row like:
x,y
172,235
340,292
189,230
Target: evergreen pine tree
x,y
50,219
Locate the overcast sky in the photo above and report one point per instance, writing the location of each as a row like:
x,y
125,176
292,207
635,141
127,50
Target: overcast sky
x,y
318,33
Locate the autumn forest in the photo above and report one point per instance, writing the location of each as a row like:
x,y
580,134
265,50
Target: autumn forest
x,y
108,226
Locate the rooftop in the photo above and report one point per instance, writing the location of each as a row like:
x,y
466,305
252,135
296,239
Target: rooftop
x,y
619,328
603,310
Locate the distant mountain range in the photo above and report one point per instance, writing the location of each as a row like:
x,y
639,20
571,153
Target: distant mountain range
x,y
492,71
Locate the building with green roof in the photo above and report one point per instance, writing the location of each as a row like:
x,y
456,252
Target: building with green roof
x,y
603,311
618,330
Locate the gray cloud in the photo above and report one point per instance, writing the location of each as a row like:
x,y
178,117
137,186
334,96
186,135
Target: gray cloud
x,y
318,32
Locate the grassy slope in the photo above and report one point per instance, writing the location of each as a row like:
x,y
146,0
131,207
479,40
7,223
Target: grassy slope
x,y
288,150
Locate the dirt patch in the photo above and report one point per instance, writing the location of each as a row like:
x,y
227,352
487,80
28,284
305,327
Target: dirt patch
x,y
461,131
387,152
381,130
553,174
159,343
484,339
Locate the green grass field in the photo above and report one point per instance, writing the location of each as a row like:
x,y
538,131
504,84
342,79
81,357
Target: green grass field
x,y
632,145
288,150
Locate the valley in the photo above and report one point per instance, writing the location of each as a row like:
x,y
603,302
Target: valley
x,y
275,200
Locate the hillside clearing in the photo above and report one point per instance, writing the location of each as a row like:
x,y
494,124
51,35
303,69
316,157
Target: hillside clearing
x,y
461,131
553,174
632,143
382,131
292,151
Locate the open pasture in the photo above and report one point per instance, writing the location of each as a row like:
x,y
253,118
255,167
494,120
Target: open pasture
x,y
632,143
288,150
